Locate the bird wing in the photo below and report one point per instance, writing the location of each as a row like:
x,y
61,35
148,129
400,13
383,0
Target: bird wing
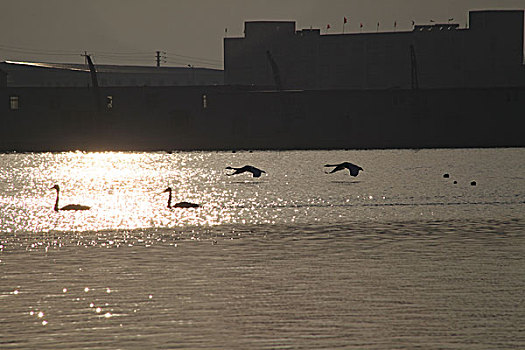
x,y
256,171
236,170
337,168
354,169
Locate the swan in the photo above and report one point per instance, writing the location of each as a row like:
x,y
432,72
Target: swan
x,y
69,206
247,168
354,169
180,204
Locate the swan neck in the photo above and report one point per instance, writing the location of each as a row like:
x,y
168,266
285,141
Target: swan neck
x,y
56,202
169,199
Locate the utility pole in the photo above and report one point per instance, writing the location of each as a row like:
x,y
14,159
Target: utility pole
x,y
158,58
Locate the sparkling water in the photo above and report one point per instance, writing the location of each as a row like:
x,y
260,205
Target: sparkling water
x,y
398,257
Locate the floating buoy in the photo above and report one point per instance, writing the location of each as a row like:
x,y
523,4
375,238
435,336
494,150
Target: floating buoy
x,y
446,176
473,183
455,182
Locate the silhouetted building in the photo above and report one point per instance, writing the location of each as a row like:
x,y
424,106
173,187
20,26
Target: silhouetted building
x,y
33,74
435,86
487,53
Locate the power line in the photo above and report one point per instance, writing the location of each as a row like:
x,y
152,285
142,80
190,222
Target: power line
x,y
186,62
197,58
18,48
125,53
128,56
37,52
142,57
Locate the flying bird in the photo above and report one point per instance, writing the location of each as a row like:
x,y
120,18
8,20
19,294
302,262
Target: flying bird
x,y
69,206
247,168
354,169
180,204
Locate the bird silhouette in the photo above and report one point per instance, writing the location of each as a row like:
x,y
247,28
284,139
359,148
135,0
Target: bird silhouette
x,y
354,169
180,204
247,168
69,206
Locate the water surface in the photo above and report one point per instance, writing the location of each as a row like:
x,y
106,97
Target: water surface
x,y
398,257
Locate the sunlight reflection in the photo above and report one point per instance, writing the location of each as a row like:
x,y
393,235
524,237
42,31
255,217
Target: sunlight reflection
x,y
124,191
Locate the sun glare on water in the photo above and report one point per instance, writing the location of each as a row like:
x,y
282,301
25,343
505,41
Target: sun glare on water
x,y
124,190
127,191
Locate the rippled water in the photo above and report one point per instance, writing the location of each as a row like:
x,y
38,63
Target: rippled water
x,y
398,257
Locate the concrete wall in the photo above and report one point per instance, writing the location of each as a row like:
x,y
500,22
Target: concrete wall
x,y
3,79
187,118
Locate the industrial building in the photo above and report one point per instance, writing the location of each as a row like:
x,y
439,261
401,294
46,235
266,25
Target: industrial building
x,y
489,53
435,86
39,74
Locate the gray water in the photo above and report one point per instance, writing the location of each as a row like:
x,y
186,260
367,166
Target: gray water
x,y
398,257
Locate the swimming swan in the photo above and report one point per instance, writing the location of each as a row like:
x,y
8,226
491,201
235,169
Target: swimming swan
x,y
69,206
180,204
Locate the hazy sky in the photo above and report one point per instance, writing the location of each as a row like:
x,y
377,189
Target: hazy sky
x,y
191,31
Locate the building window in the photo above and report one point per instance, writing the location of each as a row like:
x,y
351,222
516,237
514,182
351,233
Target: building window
x,y
204,102
109,102
14,103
